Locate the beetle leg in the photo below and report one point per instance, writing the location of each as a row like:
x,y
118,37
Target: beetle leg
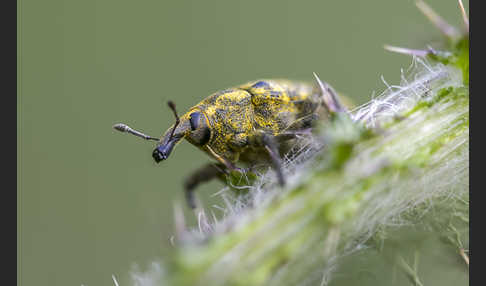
x,y
303,123
228,164
292,134
300,127
270,144
201,175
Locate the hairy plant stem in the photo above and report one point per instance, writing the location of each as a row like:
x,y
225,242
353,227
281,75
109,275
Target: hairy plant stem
x,y
362,180
391,163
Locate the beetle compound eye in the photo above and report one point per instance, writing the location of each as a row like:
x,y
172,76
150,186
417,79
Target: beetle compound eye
x,y
194,120
200,131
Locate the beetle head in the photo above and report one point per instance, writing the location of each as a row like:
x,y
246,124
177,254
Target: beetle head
x,y
193,126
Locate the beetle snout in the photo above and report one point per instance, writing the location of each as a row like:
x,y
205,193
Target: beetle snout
x,y
162,152
158,156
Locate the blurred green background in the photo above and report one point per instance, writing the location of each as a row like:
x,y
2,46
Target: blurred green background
x,y
91,201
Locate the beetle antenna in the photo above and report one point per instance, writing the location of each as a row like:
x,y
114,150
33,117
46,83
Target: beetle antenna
x,y
125,128
173,108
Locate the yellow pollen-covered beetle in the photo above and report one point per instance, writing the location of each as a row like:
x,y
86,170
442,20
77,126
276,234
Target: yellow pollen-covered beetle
x,y
254,123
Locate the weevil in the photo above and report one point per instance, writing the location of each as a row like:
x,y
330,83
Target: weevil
x,y
254,123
